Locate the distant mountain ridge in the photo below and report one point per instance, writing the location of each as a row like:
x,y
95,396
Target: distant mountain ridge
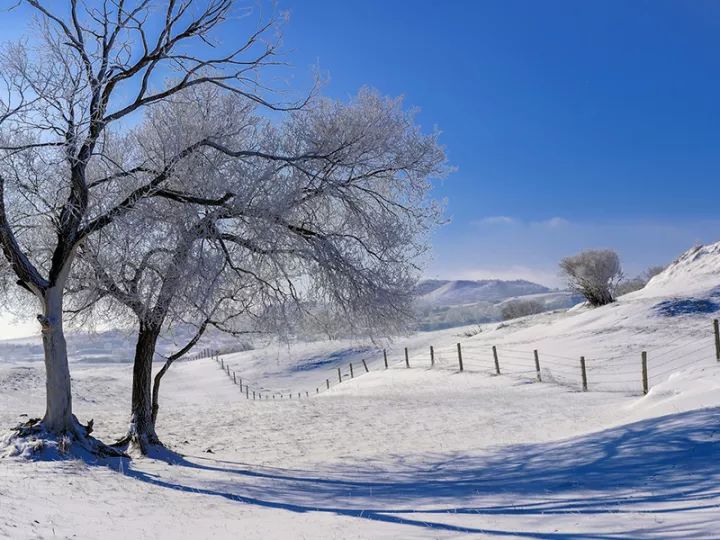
x,y
438,292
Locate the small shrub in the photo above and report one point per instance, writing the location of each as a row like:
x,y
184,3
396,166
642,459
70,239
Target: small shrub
x,y
637,283
472,332
521,308
595,274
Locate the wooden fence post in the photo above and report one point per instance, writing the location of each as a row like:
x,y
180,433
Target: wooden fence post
x,y
247,392
407,358
497,362
644,372
352,374
460,357
583,372
365,366
537,366
234,378
432,356
327,383
298,395
253,394
317,390
716,331
222,364
385,357
307,394
339,375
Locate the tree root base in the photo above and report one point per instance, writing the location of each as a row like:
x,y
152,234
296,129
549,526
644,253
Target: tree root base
x,y
31,440
141,444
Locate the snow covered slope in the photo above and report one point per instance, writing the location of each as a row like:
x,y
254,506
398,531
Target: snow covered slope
x,y
425,452
695,271
446,304
447,293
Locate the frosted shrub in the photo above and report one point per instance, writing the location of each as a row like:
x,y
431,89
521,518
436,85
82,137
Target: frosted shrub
x,y
521,308
595,274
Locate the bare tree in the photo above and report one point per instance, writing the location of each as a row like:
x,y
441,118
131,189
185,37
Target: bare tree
x,y
332,210
635,284
652,271
168,278
89,68
520,308
595,274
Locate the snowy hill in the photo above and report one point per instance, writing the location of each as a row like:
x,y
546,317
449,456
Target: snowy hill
x,y
418,452
696,270
447,304
448,293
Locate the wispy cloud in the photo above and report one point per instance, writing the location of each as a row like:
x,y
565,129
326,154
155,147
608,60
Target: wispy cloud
x,y
495,220
555,222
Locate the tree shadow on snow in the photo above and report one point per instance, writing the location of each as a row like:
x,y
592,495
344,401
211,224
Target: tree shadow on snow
x,y
657,466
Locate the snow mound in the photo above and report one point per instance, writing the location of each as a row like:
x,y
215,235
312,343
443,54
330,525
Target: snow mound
x,y
694,272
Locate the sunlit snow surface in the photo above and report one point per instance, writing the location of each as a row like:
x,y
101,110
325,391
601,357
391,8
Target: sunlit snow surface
x,y
407,453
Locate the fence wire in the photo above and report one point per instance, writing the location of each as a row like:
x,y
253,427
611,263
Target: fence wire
x,y
620,373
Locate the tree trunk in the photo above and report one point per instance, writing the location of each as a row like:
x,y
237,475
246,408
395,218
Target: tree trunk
x,y
142,426
58,413
156,390
169,362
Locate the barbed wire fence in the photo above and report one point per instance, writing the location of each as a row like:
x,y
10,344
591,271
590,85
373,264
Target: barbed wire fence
x,y
582,373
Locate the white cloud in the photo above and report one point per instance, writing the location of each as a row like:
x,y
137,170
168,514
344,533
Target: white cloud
x,y
495,220
555,222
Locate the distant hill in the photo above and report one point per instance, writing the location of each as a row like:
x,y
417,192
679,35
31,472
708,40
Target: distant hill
x,y
436,292
450,303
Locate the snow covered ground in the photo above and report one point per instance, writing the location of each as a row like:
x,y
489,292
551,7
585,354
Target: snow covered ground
x,y
410,453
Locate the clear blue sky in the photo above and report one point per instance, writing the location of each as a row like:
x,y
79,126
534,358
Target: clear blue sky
x,y
573,124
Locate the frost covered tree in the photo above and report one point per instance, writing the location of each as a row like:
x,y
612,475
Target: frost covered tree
x,y
520,308
329,208
66,95
166,279
638,282
154,267
595,274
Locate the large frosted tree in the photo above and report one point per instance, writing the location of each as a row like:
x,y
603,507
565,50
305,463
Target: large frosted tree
x,y
89,71
331,208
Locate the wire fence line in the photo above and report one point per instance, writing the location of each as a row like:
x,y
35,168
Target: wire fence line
x,y
585,373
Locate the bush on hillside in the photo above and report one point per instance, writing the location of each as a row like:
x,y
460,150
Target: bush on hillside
x,y
521,308
637,283
595,274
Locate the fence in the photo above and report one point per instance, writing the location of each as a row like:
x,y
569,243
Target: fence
x,y
584,373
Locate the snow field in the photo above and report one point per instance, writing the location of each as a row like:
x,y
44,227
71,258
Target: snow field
x,y
406,453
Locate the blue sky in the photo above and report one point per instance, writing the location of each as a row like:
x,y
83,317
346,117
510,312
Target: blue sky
x,y
573,124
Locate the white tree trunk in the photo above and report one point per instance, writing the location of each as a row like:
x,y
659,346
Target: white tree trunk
x,y
58,413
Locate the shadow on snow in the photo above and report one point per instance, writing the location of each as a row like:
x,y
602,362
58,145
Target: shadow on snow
x,y
658,466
